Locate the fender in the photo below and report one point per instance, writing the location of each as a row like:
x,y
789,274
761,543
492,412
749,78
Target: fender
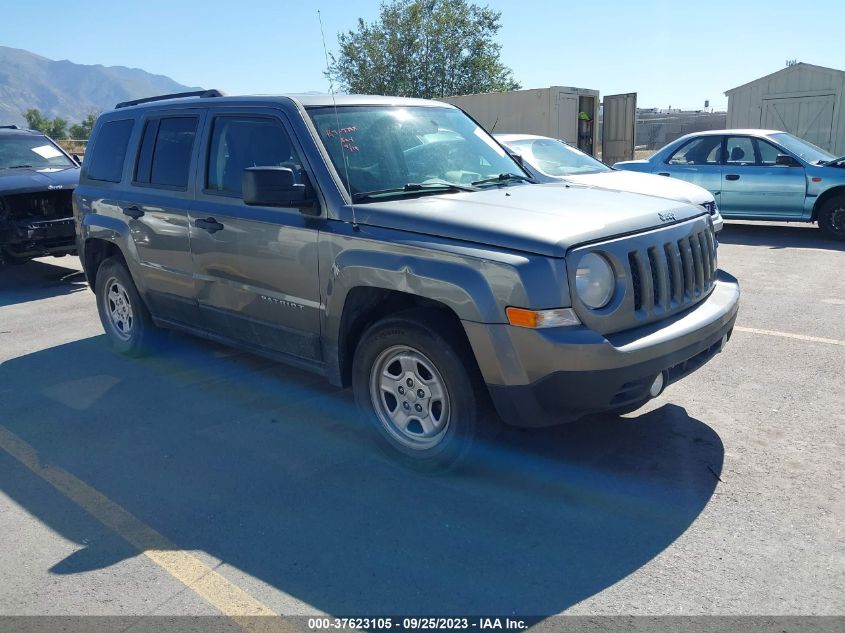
x,y
457,285
114,230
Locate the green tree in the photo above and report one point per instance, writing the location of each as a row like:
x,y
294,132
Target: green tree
x,y
423,48
82,131
54,128
57,128
35,120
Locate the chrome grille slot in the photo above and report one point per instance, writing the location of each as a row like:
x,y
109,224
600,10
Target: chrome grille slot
x,y
686,263
676,272
655,278
634,267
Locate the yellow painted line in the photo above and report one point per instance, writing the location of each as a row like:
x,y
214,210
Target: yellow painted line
x,y
800,337
228,598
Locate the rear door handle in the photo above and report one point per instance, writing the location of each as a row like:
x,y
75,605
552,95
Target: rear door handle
x,y
663,173
732,177
209,224
133,212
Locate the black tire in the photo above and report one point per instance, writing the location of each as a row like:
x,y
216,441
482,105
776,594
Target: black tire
x,y
832,218
139,335
438,343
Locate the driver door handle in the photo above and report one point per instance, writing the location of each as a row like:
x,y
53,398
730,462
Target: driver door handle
x,y
209,224
732,177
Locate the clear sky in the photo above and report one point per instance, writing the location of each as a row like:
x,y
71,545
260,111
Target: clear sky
x,y
671,52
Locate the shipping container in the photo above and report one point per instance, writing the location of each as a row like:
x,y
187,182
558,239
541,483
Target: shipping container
x,y
565,113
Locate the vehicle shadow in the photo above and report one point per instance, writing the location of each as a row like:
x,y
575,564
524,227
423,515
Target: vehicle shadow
x,y
798,235
270,471
39,280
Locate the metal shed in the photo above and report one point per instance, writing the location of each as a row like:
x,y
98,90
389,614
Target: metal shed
x,y
802,99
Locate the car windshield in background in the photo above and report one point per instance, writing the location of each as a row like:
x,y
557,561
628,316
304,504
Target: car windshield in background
x,y
554,158
36,152
385,151
802,148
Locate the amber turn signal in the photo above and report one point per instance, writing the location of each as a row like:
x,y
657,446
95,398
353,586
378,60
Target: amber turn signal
x,y
559,317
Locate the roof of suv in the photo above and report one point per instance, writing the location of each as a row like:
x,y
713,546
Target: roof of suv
x,y
304,100
14,130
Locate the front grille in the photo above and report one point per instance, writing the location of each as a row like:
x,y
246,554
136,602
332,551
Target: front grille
x,y
660,272
673,274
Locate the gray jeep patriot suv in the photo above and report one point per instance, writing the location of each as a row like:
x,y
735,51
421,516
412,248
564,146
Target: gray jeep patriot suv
x,y
394,246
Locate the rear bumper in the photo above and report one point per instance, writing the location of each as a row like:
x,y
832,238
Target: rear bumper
x,y
545,377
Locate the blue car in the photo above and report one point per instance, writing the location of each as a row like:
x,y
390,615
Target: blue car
x,y
758,175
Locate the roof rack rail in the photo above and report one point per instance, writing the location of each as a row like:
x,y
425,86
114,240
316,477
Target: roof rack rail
x,y
9,127
175,95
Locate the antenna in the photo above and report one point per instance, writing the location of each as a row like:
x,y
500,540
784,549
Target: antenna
x,y
337,122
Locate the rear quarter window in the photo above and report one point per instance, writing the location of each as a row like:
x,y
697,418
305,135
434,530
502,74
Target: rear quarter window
x,y
109,152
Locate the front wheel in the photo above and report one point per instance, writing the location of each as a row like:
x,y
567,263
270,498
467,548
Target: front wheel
x,y
832,218
413,380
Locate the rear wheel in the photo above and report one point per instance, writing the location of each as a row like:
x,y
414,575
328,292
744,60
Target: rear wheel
x,y
832,218
124,316
413,382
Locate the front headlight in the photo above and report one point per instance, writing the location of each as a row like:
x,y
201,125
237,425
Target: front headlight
x,y
594,281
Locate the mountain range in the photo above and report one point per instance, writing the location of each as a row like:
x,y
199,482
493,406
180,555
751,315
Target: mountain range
x,y
68,90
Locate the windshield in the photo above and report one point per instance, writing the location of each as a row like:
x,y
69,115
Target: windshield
x,y
37,152
555,158
802,148
386,148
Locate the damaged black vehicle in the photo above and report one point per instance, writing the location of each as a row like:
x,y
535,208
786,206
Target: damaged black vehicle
x,y
37,178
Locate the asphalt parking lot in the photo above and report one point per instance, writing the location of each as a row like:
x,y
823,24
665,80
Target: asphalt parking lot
x,y
203,480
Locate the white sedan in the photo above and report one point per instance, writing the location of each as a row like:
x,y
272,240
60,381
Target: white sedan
x,y
550,160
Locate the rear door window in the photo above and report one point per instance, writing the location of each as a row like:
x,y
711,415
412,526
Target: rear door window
x,y
109,152
164,158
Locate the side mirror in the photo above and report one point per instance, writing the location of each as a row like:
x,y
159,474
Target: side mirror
x,y
786,160
276,187
77,158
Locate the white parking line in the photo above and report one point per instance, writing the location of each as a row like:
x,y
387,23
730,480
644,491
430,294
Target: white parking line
x,y
800,337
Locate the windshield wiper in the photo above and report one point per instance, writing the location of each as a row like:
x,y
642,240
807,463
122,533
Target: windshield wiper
x,y
19,167
502,178
435,187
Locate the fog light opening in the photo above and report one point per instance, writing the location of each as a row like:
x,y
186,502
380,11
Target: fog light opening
x,y
657,386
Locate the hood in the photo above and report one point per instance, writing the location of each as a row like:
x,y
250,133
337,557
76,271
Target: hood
x,y
29,180
649,184
546,219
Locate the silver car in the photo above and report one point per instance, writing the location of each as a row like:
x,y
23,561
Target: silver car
x,y
551,160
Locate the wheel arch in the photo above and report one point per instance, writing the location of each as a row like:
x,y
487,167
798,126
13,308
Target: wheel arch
x,y
824,197
95,251
366,305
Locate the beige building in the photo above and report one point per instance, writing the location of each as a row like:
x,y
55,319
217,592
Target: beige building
x,y
802,99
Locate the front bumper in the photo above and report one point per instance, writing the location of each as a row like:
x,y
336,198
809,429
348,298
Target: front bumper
x,y
545,377
23,239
